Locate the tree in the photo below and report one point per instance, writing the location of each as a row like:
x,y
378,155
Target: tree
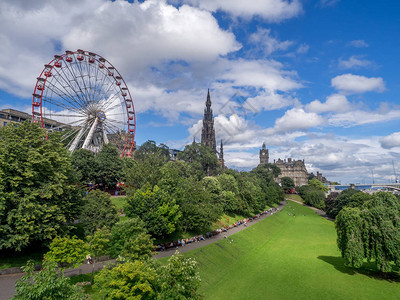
x,y
157,209
85,165
130,240
202,160
67,252
345,199
99,245
318,185
130,280
287,183
371,232
315,198
46,284
148,279
109,165
146,169
39,196
179,279
97,211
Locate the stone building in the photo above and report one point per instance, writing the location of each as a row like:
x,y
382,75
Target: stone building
x,y
294,169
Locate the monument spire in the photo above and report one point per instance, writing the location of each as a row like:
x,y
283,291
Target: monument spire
x,y
208,131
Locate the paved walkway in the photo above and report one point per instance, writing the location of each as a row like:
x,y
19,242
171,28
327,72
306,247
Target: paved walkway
x,y
7,282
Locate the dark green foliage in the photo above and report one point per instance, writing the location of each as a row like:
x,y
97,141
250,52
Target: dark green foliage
x,y
38,191
347,198
97,211
315,198
109,167
203,161
314,193
287,183
46,284
85,165
371,231
157,209
146,168
129,239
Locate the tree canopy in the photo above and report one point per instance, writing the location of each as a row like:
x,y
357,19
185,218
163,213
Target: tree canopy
x,y
39,195
371,231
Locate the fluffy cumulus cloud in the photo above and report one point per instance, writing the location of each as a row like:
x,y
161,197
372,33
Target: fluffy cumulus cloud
x,y
333,103
271,10
356,84
296,119
267,74
147,34
391,141
354,62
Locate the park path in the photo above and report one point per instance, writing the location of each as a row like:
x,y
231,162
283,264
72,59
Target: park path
x,y
7,282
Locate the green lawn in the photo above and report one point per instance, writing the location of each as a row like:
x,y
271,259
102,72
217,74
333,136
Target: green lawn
x,y
294,197
119,202
283,257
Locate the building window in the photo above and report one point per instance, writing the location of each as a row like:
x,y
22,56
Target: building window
x,y
4,123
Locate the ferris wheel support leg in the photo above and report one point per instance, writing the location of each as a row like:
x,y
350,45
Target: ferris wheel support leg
x,y
76,140
90,135
105,138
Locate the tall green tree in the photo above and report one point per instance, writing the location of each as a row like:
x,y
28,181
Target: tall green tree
x,y
109,166
287,183
85,165
129,239
371,231
145,171
157,209
202,160
97,211
39,196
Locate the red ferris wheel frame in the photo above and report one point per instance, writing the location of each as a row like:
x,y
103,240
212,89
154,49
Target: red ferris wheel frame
x,y
91,59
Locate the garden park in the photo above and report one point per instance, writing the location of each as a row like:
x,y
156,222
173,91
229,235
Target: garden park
x,y
56,208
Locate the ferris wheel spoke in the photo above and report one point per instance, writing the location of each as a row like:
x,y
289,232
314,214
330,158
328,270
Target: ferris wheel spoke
x,y
108,108
80,67
98,90
66,78
60,104
113,96
117,121
70,69
62,95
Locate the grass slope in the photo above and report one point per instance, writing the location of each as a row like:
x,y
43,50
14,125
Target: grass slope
x,y
284,257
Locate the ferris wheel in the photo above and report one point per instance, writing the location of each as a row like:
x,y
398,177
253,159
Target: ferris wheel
x,y
83,95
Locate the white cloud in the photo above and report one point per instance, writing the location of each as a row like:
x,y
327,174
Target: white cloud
x,y
133,36
358,44
354,62
271,10
296,119
391,141
303,48
268,100
359,117
268,44
267,74
333,103
356,84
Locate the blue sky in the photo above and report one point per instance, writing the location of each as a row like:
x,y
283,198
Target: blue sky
x,y
314,80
